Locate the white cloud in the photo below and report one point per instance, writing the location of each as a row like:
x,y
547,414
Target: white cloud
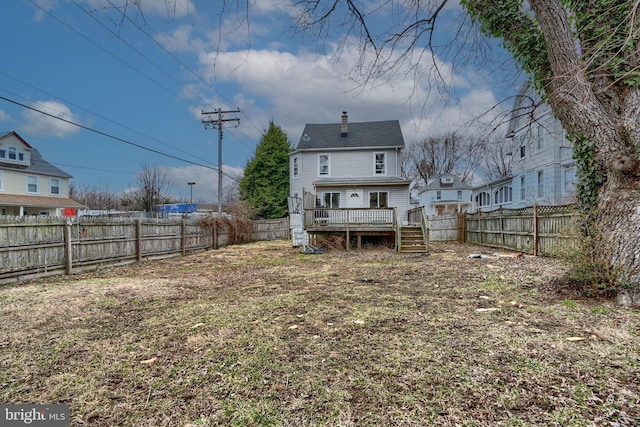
x,y
38,124
306,88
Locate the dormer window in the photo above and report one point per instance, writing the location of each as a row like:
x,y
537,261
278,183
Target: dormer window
x,y
11,153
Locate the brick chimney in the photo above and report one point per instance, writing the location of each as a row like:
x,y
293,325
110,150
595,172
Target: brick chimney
x,y
344,131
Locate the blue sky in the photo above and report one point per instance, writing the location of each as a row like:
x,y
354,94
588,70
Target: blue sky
x,y
146,78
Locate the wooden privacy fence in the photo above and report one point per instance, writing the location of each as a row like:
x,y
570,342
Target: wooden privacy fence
x,y
538,230
33,246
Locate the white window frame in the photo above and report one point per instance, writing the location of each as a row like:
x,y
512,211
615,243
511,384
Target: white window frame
x,y
12,151
296,166
503,195
484,199
328,171
1,181
383,170
459,194
323,199
523,188
57,185
377,195
570,167
438,195
36,183
540,184
540,138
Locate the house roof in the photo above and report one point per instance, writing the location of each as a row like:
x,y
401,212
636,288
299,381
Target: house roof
x,y
40,201
8,134
457,183
359,135
367,181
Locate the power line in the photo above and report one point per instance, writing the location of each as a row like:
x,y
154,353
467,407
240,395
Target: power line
x,y
186,67
97,115
197,95
142,147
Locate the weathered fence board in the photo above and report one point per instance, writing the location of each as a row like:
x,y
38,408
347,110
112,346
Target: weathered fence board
x,y
443,228
35,247
538,230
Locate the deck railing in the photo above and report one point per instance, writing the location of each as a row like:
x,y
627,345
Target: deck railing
x,y
364,217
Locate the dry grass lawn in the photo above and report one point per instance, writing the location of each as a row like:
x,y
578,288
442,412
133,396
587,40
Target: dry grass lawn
x,y
260,334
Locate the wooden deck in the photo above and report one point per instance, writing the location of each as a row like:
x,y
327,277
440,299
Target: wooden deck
x,y
340,220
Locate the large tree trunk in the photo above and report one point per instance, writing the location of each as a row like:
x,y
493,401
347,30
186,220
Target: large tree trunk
x,y
618,236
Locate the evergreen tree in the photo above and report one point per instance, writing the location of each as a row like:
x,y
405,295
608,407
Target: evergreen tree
x,y
265,185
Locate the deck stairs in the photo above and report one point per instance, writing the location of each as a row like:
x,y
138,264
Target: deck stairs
x,y
412,239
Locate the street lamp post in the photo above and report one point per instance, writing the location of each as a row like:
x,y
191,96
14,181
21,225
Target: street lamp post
x,y
191,184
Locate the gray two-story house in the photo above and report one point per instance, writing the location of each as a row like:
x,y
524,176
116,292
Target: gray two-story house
x,y
346,178
543,170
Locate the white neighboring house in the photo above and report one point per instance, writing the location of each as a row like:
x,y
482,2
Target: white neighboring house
x,y
446,195
543,170
29,185
347,166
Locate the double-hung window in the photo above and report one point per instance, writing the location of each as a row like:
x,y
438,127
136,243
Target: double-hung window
x,y
54,186
296,167
324,165
380,163
540,184
522,188
1,181
32,184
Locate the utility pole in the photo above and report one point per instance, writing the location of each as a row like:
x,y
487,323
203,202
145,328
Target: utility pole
x,y
219,122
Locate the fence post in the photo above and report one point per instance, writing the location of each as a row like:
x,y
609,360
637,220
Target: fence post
x,y
462,227
67,249
139,239
348,237
502,243
183,240
215,234
535,229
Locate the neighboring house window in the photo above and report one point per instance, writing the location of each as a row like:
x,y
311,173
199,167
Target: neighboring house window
x,y
1,181
378,199
438,195
54,186
483,199
540,138
380,163
12,153
540,184
569,179
502,195
295,167
21,157
329,200
459,194
3,153
521,146
324,165
522,188
32,184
